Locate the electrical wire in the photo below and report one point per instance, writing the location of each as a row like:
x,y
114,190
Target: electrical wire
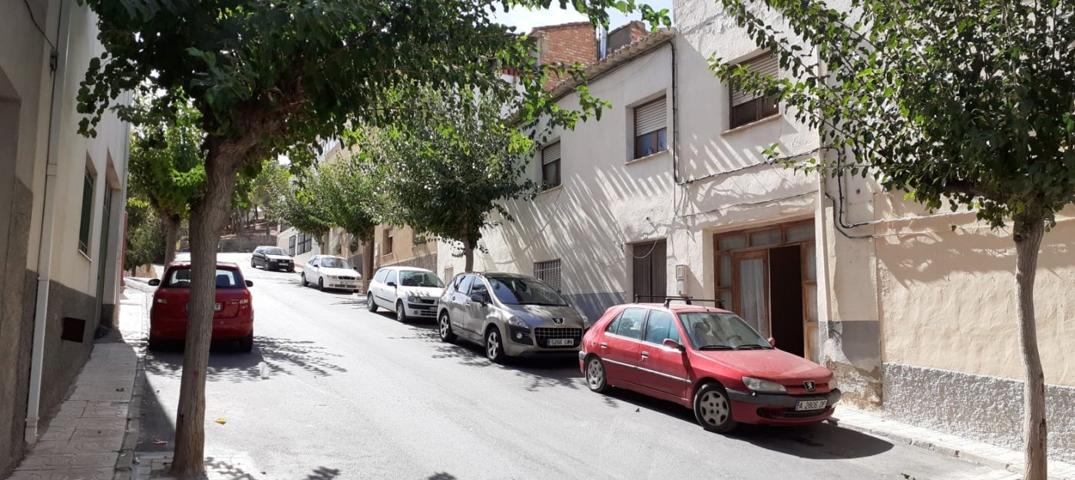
x,y
38,25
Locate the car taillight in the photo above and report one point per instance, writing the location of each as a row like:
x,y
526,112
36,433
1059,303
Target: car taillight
x,y
162,300
244,301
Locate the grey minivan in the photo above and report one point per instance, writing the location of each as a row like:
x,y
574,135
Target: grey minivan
x,y
509,314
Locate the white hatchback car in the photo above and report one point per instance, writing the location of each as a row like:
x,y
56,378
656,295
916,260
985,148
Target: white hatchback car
x,y
327,271
410,292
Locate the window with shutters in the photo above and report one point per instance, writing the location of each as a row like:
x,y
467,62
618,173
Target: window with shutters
x,y
747,106
548,272
550,166
651,132
87,213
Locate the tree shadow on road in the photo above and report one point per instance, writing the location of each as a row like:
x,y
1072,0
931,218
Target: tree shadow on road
x,y
270,356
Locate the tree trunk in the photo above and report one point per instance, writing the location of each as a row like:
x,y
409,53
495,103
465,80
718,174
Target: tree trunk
x,y
367,262
468,256
171,236
208,218
1028,235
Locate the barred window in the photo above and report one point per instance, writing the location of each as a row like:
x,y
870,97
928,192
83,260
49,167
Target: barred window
x,y
548,272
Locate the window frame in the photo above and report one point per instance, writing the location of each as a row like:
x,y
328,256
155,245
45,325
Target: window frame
x,y
659,136
763,107
672,320
546,185
388,242
85,228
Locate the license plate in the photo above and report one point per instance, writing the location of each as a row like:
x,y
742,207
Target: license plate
x,y
561,342
810,405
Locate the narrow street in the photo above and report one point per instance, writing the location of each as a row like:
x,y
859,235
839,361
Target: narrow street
x,y
333,391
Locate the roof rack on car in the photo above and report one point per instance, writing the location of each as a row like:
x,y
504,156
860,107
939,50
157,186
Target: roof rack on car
x,y
685,299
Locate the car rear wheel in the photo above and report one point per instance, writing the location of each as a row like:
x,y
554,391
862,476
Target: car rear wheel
x,y
712,408
246,344
370,304
444,328
494,345
595,375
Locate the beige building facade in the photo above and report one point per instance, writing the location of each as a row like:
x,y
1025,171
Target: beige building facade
x,y
62,225
914,311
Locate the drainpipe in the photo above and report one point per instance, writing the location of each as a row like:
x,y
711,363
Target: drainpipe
x,y
44,253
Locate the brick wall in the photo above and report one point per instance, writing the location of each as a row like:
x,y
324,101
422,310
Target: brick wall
x,y
625,35
568,43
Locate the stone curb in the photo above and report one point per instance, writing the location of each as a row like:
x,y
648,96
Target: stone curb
x,y
954,451
125,461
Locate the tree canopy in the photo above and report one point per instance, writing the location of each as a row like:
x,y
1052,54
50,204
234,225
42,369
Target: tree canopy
x,y
446,169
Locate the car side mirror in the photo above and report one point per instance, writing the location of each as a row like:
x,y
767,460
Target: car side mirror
x,y
668,342
391,284
480,298
153,282
772,342
249,283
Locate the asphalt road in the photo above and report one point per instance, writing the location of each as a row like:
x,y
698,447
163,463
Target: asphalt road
x,y
333,391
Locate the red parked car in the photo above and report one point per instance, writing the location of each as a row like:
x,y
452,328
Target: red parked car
x,y
708,360
232,320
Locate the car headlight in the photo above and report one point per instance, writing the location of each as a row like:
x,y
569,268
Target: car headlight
x,y
413,296
518,322
764,386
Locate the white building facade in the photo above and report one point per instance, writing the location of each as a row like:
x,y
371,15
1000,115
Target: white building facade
x,y
914,311
62,224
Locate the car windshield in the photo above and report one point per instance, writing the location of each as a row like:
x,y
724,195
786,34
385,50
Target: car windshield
x,y
524,291
274,251
721,331
180,278
334,262
410,278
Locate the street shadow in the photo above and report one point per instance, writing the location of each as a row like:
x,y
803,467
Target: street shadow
x,y
442,476
270,356
540,372
824,441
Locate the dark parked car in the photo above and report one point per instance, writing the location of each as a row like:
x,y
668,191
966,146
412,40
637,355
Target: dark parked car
x,y
272,258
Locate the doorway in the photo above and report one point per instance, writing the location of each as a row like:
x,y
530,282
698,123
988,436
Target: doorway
x,y
767,277
648,268
102,256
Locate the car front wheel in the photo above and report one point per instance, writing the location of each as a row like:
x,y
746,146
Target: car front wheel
x,y
595,375
494,345
370,304
444,328
302,278
321,284
712,408
401,312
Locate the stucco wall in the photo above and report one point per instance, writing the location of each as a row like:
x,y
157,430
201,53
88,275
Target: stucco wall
x,y
605,201
947,287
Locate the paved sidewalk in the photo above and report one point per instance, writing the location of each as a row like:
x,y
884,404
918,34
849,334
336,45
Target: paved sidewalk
x,y
84,440
945,444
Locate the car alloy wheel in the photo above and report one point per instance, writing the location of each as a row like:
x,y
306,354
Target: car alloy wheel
x,y
595,375
712,408
444,328
401,312
494,348
370,305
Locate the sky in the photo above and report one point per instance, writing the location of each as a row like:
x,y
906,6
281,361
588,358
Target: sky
x,y
525,20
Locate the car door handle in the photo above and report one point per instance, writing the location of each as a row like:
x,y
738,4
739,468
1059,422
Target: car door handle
x,y
645,355
603,345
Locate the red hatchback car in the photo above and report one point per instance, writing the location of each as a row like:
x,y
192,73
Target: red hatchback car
x,y
708,360
232,320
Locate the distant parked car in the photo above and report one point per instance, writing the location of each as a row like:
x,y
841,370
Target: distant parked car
x,y
410,292
329,272
708,360
234,314
509,314
272,258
